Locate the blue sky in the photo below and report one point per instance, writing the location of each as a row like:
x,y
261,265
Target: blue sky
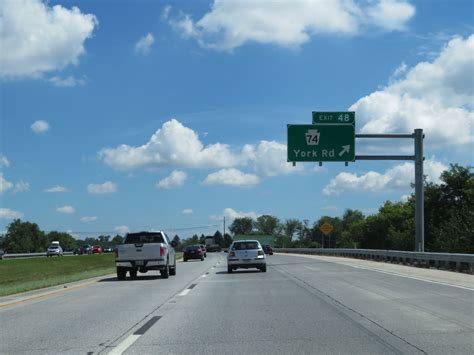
x,y
125,115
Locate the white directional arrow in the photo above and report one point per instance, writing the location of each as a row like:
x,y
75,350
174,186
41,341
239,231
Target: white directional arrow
x,y
345,149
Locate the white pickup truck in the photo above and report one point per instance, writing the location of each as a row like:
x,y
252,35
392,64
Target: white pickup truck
x,y
145,251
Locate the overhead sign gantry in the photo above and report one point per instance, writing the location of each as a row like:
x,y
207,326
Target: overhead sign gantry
x,y
331,138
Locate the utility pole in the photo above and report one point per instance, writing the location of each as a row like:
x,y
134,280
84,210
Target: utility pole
x,y
223,235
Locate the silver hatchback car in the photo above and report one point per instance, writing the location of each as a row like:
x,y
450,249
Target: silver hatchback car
x,y
246,254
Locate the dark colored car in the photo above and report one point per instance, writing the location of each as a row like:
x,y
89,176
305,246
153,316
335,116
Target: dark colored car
x,y
96,249
193,252
203,248
78,251
2,252
86,249
107,249
267,249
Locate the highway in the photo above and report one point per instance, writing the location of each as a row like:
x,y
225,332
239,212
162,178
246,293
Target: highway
x,y
301,305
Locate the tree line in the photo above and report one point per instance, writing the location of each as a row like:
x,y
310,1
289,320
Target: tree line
x,y
27,237
449,225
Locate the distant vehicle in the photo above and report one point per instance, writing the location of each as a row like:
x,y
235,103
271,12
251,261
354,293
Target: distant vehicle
x,y
54,249
96,249
145,251
267,249
2,253
107,249
86,249
193,252
246,254
78,251
204,250
211,244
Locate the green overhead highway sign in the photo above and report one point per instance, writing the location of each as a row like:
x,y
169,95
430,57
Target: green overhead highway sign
x,y
321,142
347,117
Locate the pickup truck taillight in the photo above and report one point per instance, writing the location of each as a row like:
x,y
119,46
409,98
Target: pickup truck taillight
x,y
231,253
162,250
116,252
260,252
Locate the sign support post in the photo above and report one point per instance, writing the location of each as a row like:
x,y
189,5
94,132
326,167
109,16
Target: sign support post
x,y
418,158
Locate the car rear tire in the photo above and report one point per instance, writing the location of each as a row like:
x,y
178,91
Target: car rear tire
x,y
121,273
263,268
229,269
165,273
202,258
185,260
133,274
173,270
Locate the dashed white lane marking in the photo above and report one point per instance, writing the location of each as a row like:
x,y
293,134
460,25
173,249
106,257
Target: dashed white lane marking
x,y
124,345
203,276
184,292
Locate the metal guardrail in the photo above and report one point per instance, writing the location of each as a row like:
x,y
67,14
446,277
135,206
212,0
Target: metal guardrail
x,y
458,262
30,255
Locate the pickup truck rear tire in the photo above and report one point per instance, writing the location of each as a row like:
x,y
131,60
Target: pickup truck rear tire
x,y
121,273
173,270
229,269
165,273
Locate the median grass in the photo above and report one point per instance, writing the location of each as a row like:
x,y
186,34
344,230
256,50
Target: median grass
x,y
19,275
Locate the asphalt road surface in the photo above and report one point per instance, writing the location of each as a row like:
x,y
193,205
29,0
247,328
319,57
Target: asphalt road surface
x,y
299,306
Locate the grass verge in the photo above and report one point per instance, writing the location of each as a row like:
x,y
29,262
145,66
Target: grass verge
x,y
20,275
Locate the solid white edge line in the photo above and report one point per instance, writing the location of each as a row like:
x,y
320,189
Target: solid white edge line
x,y
124,345
184,292
414,278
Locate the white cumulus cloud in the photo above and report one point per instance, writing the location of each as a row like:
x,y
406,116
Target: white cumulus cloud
x,y
230,24
175,179
231,177
21,186
397,178
66,209
89,218
144,44
7,213
40,127
107,187
436,96
230,214
67,82
4,184
122,230
173,145
57,188
37,38
4,161
187,211
391,14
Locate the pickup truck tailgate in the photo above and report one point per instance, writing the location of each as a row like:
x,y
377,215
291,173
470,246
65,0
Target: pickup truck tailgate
x,y
141,251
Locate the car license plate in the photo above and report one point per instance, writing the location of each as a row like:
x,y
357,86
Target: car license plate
x,y
139,262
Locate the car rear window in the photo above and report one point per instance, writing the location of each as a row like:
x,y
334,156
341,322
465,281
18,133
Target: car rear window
x,y
143,238
245,246
193,247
